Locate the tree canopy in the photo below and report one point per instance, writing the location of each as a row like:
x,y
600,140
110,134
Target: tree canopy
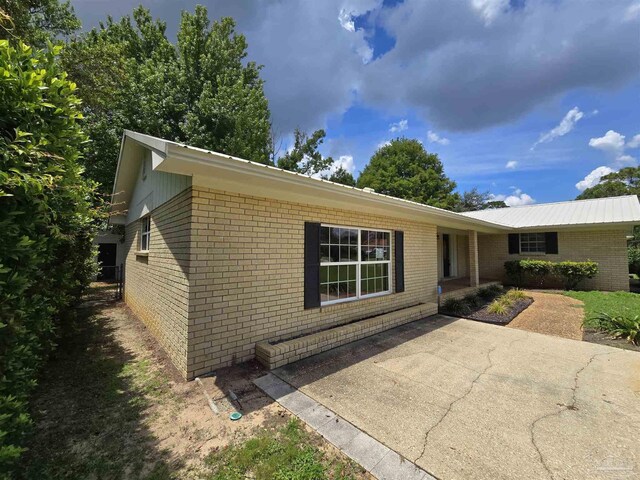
x,y
475,200
36,21
624,182
406,170
199,91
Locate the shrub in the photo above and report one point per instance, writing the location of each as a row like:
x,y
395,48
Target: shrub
x,y
499,307
455,306
619,326
46,216
515,294
538,270
514,272
574,272
490,292
634,259
472,301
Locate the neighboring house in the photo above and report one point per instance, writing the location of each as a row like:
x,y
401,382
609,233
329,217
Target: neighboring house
x,y
224,256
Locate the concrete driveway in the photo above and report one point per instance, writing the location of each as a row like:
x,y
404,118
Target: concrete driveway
x,y
469,400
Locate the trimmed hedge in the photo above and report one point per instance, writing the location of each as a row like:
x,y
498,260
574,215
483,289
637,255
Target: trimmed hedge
x,y
539,271
46,217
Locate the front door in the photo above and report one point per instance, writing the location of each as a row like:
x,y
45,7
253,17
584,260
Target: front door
x,y
446,255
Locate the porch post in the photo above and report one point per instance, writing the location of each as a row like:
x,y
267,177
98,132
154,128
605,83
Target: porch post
x,y
474,270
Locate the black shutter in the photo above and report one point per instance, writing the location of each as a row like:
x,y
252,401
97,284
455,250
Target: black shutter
x,y
399,260
514,243
551,242
311,265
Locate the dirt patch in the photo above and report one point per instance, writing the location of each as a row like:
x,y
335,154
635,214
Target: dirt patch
x,y
111,405
552,314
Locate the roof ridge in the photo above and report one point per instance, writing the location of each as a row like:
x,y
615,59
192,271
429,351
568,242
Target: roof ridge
x,y
582,200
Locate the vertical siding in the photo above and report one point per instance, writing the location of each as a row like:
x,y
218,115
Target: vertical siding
x,y
152,191
607,247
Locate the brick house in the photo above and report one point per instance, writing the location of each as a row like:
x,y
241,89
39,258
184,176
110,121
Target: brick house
x,y
227,259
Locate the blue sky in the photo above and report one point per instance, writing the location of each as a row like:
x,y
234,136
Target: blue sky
x,y
524,98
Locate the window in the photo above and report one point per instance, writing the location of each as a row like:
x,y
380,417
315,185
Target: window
x,y
145,233
533,243
354,263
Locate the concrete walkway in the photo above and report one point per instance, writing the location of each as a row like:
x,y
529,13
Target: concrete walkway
x,y
464,399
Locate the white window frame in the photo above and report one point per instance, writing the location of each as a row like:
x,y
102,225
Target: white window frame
x,y
359,264
145,222
529,241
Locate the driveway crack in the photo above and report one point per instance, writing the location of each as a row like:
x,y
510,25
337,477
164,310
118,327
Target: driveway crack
x,y
446,413
571,406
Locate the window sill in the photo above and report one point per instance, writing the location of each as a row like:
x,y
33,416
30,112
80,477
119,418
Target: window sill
x,y
354,299
142,253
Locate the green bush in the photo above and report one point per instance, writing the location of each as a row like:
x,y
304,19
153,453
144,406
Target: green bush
x,y
574,272
490,292
619,326
634,259
455,306
46,217
472,301
537,272
499,307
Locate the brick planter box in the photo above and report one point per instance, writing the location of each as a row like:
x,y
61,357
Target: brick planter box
x,y
282,353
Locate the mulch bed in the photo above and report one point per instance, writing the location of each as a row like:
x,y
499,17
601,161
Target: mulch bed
x,y
603,338
482,315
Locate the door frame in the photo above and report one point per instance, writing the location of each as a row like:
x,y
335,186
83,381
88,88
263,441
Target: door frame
x,y
453,254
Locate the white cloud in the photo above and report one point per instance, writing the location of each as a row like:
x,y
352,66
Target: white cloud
x,y
346,20
490,9
516,199
622,159
512,164
433,137
384,143
400,126
565,126
344,161
611,142
634,142
593,178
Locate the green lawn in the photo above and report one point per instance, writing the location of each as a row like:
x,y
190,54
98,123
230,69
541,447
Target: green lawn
x,y
289,453
614,303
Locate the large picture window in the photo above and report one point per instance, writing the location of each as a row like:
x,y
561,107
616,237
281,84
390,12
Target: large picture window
x,y
354,263
533,243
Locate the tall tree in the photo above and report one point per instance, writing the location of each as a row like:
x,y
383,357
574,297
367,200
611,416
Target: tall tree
x,y
405,169
200,91
304,157
475,200
624,182
341,175
36,21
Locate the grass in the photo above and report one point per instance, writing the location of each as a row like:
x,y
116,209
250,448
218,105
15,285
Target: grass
x,y
616,313
90,409
287,453
624,304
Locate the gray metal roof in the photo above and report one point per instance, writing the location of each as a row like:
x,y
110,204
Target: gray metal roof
x,y
613,210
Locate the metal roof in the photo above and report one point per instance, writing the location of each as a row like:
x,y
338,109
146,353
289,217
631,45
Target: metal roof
x,y
613,210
